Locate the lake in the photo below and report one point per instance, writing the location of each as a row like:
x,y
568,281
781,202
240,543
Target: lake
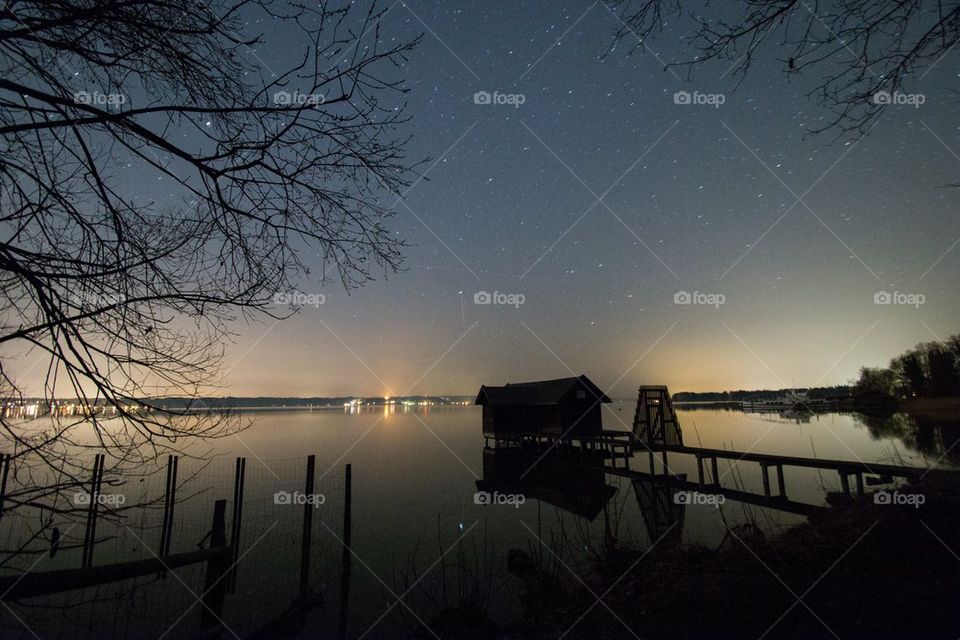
x,y
417,529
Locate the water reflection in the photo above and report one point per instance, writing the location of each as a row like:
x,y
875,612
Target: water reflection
x,y
577,489
414,483
935,438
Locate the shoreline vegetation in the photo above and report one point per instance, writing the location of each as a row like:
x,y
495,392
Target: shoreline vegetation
x,y
862,569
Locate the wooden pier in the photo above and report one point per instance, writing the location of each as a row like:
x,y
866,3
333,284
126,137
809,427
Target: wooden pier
x,y
844,468
608,445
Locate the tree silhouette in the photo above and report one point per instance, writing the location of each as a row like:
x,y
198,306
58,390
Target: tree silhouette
x,y
860,51
125,299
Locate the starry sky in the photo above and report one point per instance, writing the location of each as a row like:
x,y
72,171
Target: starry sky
x,y
599,200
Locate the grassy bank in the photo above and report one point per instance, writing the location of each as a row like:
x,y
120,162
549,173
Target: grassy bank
x,y
862,570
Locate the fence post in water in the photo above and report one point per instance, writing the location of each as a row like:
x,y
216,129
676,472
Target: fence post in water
x,y
91,528
169,497
781,483
236,520
307,530
5,459
844,482
345,571
214,586
766,479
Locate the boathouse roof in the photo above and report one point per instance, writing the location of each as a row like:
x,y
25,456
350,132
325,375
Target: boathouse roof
x,y
543,392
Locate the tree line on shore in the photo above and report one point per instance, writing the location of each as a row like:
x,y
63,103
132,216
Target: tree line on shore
x,y
930,369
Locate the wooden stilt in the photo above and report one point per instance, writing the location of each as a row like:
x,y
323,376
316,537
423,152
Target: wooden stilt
x,y
308,508
214,588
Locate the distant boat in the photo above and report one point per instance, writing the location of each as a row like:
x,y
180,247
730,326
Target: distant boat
x,y
792,400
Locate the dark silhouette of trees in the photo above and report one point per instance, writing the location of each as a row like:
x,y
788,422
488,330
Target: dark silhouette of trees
x,y
876,381
944,376
856,49
929,369
911,368
123,298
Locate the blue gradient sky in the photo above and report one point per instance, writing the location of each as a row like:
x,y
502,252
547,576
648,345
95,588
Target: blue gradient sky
x,y
504,210
689,205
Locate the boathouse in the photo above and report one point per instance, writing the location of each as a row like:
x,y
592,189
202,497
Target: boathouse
x,y
568,407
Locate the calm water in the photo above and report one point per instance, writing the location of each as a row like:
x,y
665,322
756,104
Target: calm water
x,y
415,520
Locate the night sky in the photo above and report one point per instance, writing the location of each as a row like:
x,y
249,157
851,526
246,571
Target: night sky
x,y
695,198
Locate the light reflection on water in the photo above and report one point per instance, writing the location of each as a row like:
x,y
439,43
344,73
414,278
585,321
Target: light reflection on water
x,y
415,473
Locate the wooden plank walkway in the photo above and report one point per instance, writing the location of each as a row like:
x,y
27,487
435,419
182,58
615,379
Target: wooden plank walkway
x,y
850,466
780,503
28,585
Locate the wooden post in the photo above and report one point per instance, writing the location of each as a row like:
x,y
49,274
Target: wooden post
x,y
5,459
345,571
173,503
90,533
781,483
766,479
307,529
236,521
716,473
214,586
700,469
166,506
859,483
844,482
170,498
